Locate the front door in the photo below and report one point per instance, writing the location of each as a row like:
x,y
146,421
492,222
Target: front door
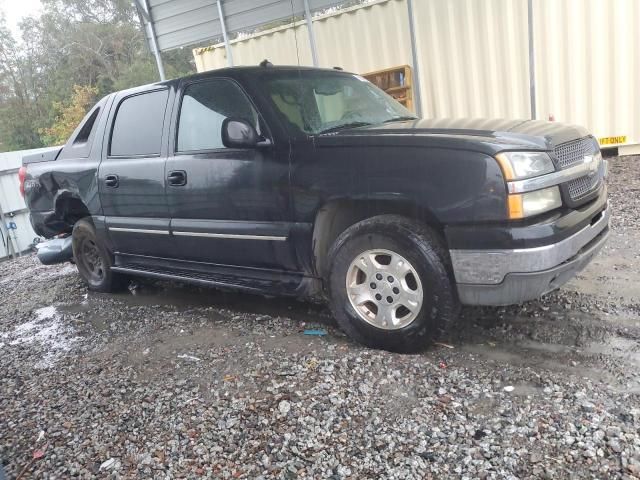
x,y
228,206
132,175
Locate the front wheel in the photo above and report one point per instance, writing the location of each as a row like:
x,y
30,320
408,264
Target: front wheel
x,y
93,260
389,284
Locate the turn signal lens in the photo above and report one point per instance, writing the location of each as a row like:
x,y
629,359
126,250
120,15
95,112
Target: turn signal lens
x,y
515,207
505,166
532,203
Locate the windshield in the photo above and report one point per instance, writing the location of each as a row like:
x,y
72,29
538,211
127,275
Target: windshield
x,y
321,102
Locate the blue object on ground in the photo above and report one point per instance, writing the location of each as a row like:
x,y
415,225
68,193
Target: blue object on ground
x,y
317,333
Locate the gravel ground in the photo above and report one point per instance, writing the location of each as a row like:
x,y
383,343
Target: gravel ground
x,y
172,381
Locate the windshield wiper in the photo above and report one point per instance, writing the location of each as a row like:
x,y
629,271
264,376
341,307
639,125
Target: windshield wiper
x,y
399,119
343,126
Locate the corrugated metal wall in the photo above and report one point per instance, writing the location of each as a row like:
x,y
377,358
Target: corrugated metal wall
x,y
365,39
588,64
474,56
352,39
12,203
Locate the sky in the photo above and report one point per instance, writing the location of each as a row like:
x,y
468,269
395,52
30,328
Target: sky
x,y
15,10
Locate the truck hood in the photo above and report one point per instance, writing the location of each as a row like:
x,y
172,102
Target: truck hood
x,y
482,134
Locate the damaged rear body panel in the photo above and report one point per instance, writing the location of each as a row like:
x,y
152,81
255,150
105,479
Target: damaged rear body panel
x,y
61,185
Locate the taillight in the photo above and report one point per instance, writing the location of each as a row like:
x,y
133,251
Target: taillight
x,y
22,174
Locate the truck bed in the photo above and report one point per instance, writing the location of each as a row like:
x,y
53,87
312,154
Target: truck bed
x,y
48,156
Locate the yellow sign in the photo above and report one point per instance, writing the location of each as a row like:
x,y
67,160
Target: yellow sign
x,y
612,140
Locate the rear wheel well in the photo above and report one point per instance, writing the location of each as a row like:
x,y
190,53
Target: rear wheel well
x,y
335,217
69,210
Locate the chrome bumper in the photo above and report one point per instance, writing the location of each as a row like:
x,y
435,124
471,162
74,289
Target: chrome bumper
x,y
505,277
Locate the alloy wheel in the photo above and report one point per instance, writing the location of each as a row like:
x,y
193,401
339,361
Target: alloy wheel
x,y
384,289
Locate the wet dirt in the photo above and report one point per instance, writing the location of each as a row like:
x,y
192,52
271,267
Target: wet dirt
x,y
211,343
589,328
563,332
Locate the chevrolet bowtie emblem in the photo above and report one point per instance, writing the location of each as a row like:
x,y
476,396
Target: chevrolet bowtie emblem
x,y
593,164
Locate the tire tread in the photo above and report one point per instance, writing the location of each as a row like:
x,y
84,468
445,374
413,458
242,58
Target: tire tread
x,y
431,246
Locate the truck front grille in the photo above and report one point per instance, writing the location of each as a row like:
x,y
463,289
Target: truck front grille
x,y
583,186
572,153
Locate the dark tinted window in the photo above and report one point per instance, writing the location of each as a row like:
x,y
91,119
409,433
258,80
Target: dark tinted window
x,y
137,129
79,146
204,107
87,128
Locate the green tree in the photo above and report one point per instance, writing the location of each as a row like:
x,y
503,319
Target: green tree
x,y
98,44
19,109
69,115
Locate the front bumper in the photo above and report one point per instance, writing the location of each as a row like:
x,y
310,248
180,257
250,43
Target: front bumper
x,y
511,276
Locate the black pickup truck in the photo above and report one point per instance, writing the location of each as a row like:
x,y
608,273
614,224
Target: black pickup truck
x,y
315,183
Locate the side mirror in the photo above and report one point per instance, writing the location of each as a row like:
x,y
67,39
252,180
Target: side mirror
x,y
238,133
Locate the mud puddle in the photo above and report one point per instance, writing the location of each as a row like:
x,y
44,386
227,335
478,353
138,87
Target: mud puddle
x,y
184,297
557,333
573,338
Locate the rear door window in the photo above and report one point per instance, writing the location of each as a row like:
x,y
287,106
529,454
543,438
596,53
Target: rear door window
x,y
79,146
137,128
88,128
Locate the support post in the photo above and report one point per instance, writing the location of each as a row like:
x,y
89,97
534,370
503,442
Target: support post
x,y
223,25
312,36
417,99
532,61
154,40
11,249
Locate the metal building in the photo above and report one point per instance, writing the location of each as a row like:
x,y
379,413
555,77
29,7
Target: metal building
x,y
573,61
16,233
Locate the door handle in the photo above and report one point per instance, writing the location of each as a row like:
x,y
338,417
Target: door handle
x,y
177,178
112,181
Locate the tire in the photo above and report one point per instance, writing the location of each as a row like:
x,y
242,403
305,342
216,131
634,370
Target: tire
x,y
356,262
93,260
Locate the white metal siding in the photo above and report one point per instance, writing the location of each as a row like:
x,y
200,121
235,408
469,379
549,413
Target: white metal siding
x,y
12,202
22,237
10,198
359,39
474,56
365,39
588,64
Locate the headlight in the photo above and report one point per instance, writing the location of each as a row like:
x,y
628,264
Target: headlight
x,y
521,165
532,203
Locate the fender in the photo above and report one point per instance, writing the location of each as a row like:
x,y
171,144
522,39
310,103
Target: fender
x,y
338,214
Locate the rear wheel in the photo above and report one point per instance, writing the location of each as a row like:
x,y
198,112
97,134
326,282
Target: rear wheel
x,y
93,260
390,285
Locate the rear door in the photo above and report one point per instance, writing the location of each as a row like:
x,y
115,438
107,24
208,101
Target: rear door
x,y
131,176
228,206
